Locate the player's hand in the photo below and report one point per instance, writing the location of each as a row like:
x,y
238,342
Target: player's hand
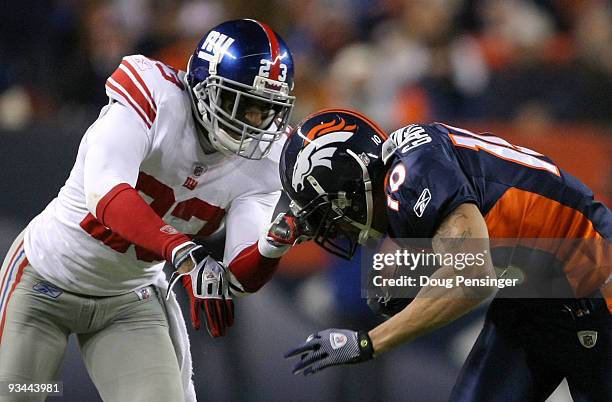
x,y
287,230
208,289
330,348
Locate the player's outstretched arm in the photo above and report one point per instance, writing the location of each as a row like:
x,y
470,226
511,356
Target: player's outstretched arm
x,y
464,230
254,245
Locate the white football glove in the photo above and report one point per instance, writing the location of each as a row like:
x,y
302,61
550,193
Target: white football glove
x,y
208,288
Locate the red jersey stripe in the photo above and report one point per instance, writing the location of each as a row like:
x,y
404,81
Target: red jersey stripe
x,y
147,93
8,299
123,78
117,89
18,250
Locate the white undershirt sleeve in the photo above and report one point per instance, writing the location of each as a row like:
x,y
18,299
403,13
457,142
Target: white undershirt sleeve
x,y
117,143
247,218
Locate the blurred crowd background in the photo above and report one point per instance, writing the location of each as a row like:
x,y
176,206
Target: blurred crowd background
x,y
536,72
397,60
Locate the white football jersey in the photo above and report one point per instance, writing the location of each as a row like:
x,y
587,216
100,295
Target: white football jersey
x,y
147,137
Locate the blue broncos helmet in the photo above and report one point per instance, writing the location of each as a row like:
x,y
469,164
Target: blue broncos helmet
x,y
328,168
240,79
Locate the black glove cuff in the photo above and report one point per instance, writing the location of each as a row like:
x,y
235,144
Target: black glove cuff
x,y
366,350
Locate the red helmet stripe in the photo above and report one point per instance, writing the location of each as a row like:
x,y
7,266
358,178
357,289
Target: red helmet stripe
x,y
274,51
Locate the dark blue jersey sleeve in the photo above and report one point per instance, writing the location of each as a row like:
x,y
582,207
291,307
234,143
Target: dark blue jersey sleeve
x,y
422,188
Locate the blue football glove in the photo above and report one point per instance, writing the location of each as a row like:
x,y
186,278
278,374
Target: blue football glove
x,y
331,347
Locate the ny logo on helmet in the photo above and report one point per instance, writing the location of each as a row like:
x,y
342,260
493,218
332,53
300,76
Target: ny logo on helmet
x,y
319,149
215,46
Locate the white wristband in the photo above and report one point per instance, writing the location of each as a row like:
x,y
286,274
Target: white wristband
x,y
270,250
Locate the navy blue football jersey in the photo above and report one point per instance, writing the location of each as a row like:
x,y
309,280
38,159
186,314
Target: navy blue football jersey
x,y
521,193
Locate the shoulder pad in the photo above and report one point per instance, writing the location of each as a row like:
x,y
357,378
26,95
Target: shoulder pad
x,y
139,83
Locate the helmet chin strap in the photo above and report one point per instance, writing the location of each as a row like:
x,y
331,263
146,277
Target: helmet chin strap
x,y
366,231
204,140
202,132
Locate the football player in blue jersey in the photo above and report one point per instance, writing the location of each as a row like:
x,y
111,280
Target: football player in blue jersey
x,y
464,193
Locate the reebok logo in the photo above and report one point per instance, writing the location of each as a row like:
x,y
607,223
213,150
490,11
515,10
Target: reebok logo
x,y
421,204
47,289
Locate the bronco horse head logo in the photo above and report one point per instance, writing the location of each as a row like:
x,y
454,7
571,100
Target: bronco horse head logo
x,y
320,148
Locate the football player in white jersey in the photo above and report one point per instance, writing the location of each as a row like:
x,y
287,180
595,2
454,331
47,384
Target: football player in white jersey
x,y
173,156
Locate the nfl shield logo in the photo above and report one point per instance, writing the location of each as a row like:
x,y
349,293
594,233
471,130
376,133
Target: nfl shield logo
x,y
198,170
587,338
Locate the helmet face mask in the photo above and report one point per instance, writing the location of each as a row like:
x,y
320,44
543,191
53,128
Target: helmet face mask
x,y
331,230
243,109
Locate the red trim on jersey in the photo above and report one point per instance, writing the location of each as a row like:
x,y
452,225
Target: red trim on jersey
x,y
132,91
140,80
15,254
125,212
145,101
121,92
6,302
252,269
274,51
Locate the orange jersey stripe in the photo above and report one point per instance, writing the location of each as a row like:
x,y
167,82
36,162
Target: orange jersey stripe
x,y
532,220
